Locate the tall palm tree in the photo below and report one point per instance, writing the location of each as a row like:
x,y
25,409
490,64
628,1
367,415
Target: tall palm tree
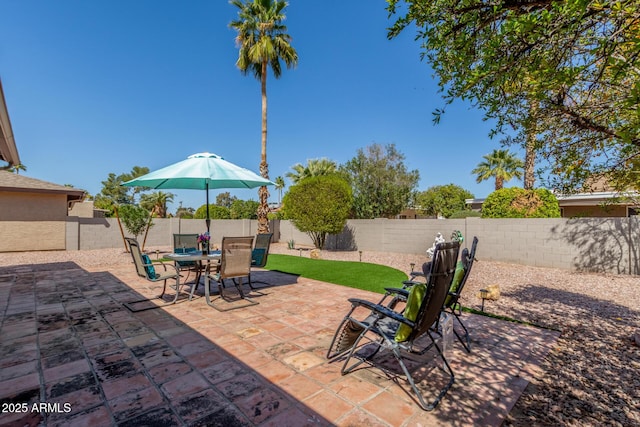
x,y
17,168
314,167
500,165
279,181
263,42
157,202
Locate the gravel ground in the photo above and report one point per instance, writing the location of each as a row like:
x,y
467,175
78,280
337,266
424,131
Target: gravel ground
x,y
591,377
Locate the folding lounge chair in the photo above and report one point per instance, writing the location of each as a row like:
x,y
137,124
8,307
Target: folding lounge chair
x,y
400,333
451,304
235,264
259,254
148,270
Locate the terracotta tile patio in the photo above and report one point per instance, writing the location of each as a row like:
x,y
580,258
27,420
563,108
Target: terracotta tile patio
x,y
67,343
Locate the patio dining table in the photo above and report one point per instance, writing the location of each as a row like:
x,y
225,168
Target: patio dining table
x,y
200,257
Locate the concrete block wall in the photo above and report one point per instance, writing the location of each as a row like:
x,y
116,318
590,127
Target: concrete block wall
x,y
583,244
101,233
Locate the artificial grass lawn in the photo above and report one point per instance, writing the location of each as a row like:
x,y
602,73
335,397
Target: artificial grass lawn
x,y
360,275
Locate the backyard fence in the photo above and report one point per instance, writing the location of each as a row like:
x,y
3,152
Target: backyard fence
x,y
582,244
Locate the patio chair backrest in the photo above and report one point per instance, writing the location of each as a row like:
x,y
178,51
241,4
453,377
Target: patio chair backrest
x,y
236,257
136,254
261,250
186,241
467,259
442,269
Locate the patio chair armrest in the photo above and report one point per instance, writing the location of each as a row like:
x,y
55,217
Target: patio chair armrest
x,y
409,283
394,295
381,310
398,291
155,264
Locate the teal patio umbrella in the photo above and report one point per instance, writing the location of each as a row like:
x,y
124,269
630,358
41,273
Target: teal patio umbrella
x,y
200,171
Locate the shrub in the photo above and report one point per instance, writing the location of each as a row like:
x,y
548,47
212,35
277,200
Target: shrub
x,y
519,203
319,205
244,209
215,212
134,218
465,214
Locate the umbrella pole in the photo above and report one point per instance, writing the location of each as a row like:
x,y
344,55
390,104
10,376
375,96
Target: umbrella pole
x,y
208,221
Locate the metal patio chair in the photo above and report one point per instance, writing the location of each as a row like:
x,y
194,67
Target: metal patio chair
x,y
147,270
451,303
235,264
259,255
185,243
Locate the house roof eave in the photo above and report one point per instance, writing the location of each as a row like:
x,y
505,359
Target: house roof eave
x,y
8,149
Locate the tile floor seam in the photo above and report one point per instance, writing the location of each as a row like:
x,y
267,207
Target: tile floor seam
x,y
40,367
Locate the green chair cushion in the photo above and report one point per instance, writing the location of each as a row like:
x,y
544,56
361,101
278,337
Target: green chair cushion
x,y
257,255
455,283
182,264
151,271
416,295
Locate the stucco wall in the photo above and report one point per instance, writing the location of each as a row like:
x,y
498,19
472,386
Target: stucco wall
x,y
29,220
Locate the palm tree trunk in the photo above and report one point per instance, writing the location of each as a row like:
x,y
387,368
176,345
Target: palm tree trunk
x,y
499,182
263,193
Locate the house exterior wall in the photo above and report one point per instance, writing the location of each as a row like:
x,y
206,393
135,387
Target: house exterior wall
x,y
82,209
29,220
594,211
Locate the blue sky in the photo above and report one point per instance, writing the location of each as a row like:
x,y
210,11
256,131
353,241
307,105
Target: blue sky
x,y
103,86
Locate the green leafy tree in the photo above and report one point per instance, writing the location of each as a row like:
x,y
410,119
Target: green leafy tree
x,y
577,64
263,43
279,181
104,203
314,167
519,203
225,199
319,206
184,212
134,218
244,209
442,200
465,213
215,212
382,186
500,165
114,193
156,202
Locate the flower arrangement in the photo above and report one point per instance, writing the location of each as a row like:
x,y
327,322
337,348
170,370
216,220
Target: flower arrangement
x,y
203,239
